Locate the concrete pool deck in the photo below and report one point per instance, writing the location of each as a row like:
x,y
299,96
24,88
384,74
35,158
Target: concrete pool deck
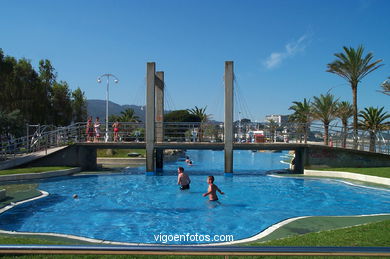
x,y
349,176
32,176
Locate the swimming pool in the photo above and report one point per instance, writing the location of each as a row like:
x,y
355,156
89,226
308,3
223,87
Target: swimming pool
x,y
132,207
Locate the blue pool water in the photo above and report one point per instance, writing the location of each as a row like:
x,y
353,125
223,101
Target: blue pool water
x,y
132,207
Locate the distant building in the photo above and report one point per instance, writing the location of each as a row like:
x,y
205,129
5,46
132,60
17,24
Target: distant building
x,y
280,119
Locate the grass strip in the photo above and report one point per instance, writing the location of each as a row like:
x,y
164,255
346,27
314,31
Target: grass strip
x,y
29,170
317,224
372,234
120,153
18,192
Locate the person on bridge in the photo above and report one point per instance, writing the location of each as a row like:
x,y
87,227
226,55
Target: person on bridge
x,y
116,130
89,129
183,179
96,126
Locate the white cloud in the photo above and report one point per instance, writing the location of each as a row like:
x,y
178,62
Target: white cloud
x,y
291,48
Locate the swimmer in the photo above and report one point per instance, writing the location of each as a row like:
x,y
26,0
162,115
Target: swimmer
x,y
212,190
75,196
183,179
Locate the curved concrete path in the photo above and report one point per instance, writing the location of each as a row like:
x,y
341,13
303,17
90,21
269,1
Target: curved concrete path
x,y
349,176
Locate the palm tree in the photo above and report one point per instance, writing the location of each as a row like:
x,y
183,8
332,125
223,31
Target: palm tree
x,y
302,115
202,115
344,112
373,120
272,127
353,67
386,87
128,115
324,109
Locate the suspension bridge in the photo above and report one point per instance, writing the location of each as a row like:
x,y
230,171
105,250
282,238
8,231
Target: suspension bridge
x,y
69,146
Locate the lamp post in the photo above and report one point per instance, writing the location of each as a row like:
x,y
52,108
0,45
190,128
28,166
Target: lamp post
x,y
99,80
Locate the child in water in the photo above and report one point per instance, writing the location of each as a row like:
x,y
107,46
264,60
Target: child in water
x,y
183,179
212,190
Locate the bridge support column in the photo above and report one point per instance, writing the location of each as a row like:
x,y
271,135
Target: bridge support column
x,y
87,158
159,90
299,161
149,121
228,127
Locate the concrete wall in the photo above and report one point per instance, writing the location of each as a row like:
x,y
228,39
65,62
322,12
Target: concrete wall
x,y
74,155
325,157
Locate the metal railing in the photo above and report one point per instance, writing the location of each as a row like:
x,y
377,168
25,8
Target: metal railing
x,y
226,251
195,132
315,134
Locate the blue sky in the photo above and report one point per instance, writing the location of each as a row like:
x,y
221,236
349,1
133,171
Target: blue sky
x,y
280,49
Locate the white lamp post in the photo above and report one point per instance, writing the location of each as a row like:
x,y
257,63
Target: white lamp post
x,y
99,80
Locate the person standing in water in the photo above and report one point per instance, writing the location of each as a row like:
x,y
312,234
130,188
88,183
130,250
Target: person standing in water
x,y
212,190
183,179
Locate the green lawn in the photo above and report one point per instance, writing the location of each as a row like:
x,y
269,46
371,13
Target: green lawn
x,y
32,170
374,171
372,234
120,152
18,192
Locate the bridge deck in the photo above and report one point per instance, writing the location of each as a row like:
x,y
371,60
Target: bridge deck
x,y
196,145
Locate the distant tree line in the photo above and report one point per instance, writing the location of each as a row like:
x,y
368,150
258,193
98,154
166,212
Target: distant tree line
x,y
28,96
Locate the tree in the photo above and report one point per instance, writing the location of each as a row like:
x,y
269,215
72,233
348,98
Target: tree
x,y
181,116
11,124
178,131
48,77
324,109
344,112
128,115
203,116
200,113
79,105
302,115
245,121
373,120
114,118
353,67
61,104
272,126
386,87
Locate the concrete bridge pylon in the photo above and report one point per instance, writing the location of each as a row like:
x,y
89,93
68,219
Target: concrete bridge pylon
x,y
154,128
228,126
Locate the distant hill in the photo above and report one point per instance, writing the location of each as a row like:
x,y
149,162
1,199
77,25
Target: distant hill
x,y
97,108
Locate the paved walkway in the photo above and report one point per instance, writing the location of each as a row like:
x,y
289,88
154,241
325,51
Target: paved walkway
x,y
23,159
353,176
